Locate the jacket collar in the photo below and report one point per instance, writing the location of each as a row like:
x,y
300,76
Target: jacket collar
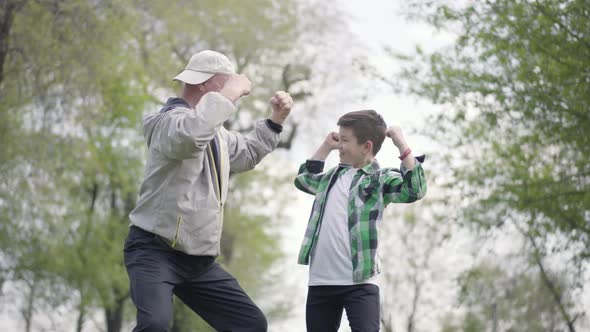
x,y
173,103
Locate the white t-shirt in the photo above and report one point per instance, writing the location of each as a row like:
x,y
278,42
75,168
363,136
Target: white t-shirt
x,y
331,260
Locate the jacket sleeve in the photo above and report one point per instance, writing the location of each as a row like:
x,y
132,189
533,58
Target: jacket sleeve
x,y
184,133
309,176
247,150
405,186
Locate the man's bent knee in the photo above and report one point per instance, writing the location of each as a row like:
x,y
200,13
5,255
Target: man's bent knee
x,y
156,323
259,323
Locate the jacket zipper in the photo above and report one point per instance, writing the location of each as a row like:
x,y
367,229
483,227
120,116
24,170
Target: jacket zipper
x,y
178,223
217,185
217,178
220,176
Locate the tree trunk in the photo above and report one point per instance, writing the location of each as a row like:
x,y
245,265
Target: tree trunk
x,y
81,314
494,317
8,10
417,291
30,308
386,321
114,316
556,295
180,323
552,289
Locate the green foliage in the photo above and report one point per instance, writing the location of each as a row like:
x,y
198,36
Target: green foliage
x,y
517,80
251,241
258,36
69,85
516,89
512,301
76,77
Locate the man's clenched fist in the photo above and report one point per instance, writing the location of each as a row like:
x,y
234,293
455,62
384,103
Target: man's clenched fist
x,y
281,103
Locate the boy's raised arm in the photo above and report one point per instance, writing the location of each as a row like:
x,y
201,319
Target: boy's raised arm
x,y
411,185
330,143
310,173
396,135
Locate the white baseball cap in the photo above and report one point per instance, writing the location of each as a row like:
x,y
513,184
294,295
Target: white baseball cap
x,y
203,65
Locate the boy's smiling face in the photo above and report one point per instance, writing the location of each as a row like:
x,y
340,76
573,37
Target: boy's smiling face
x,y
351,151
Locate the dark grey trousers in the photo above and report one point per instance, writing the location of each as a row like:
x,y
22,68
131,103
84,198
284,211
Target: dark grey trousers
x,y
156,271
325,305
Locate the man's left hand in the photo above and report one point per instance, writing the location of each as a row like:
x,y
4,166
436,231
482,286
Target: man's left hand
x,y
281,103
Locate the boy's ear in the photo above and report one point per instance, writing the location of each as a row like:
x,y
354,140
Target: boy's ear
x,y
368,146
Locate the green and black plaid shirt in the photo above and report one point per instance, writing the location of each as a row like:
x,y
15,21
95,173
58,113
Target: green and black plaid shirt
x,y
372,189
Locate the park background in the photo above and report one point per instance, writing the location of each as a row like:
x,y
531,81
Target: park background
x,y
495,93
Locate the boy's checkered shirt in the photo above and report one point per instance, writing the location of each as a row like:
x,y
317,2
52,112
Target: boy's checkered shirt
x,y
372,189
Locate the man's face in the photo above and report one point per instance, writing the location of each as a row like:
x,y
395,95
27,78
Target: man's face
x,y
215,83
351,152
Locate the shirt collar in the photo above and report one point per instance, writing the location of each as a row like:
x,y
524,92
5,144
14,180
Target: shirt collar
x,y
367,169
371,168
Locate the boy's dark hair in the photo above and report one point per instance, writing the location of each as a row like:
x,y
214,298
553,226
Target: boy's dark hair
x,y
367,125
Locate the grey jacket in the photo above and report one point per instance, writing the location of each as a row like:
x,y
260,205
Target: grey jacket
x,y
181,199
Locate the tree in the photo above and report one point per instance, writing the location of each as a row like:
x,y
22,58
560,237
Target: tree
x,y
416,269
515,84
64,105
494,299
517,80
71,159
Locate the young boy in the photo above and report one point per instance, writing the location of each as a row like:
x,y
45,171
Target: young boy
x,y
340,242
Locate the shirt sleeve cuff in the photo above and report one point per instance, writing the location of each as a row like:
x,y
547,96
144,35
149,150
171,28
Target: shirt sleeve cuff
x,y
314,166
419,160
277,128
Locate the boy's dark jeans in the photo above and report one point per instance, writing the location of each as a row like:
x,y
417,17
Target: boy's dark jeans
x,y
156,271
325,305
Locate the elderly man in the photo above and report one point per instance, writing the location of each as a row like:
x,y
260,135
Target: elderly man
x,y
176,226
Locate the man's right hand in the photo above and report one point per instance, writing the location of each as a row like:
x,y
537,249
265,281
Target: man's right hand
x,y
236,86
